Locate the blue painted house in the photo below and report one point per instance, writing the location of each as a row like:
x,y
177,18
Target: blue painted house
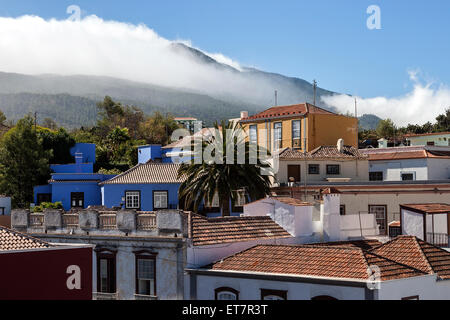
x,y
153,184
75,185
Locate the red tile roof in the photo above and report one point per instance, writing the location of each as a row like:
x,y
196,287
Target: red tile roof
x,y
292,201
209,231
399,155
418,254
12,240
432,208
426,134
287,111
366,244
150,172
323,153
320,261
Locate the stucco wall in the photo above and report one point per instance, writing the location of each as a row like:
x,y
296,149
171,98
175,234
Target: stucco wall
x,y
61,192
437,139
250,289
113,193
169,263
5,202
426,287
438,169
412,223
357,170
326,129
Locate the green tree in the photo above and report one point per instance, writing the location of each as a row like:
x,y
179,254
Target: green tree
x,y
158,128
385,128
117,141
60,142
443,122
23,162
204,181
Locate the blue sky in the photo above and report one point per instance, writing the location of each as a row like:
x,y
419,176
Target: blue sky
x,y
325,40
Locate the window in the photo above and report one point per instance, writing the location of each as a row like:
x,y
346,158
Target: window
x,y
430,143
296,134
77,199
106,271
277,135
160,200
145,274
314,169
334,169
293,172
43,197
409,176
342,209
132,200
2,211
273,294
253,135
380,212
225,293
376,176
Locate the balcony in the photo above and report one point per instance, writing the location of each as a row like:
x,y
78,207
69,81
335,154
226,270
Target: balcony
x,y
438,239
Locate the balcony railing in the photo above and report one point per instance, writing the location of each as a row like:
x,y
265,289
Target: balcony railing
x,y
70,220
146,221
438,239
107,221
104,296
36,219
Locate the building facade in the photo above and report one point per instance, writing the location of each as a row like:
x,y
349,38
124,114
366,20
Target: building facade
x,y
301,126
429,139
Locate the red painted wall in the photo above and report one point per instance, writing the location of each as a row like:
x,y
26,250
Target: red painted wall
x,y
42,275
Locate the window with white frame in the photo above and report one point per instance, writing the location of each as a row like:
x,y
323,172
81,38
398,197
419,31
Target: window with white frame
x,y
160,200
253,134
277,135
296,134
132,199
145,275
226,294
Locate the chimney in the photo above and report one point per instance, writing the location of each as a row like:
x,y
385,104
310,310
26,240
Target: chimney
x,y
340,145
244,114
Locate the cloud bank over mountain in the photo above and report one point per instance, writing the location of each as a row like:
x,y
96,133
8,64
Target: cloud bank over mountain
x,y
422,104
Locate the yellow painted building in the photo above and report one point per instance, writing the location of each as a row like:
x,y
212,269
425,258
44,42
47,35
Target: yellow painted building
x,y
297,125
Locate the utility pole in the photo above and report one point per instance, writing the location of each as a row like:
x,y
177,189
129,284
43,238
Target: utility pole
x,y
35,120
315,90
276,98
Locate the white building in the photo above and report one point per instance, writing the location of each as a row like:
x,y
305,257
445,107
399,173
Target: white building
x,y
429,139
405,268
417,163
326,163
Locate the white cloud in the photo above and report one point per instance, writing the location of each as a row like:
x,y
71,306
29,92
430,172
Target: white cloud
x,y
424,103
93,46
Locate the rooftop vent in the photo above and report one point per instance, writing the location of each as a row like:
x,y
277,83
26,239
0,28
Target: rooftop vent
x,y
340,145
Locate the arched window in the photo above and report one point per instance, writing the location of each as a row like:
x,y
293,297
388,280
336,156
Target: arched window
x,y
225,293
322,298
267,294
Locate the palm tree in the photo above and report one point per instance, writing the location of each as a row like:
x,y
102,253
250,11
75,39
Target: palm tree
x,y
228,171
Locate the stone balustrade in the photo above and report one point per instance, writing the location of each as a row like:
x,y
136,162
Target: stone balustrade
x,y
93,221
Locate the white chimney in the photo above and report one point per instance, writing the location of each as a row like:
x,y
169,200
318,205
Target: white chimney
x,y
340,145
244,114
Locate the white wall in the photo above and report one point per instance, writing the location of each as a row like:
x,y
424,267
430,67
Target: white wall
x,y
436,223
438,169
426,287
412,223
392,170
250,289
354,226
331,217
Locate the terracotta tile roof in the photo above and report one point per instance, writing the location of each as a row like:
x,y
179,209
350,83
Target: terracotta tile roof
x,y
330,190
293,202
366,244
428,207
151,172
395,224
209,231
426,134
187,141
12,240
399,155
287,111
323,153
320,261
418,254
